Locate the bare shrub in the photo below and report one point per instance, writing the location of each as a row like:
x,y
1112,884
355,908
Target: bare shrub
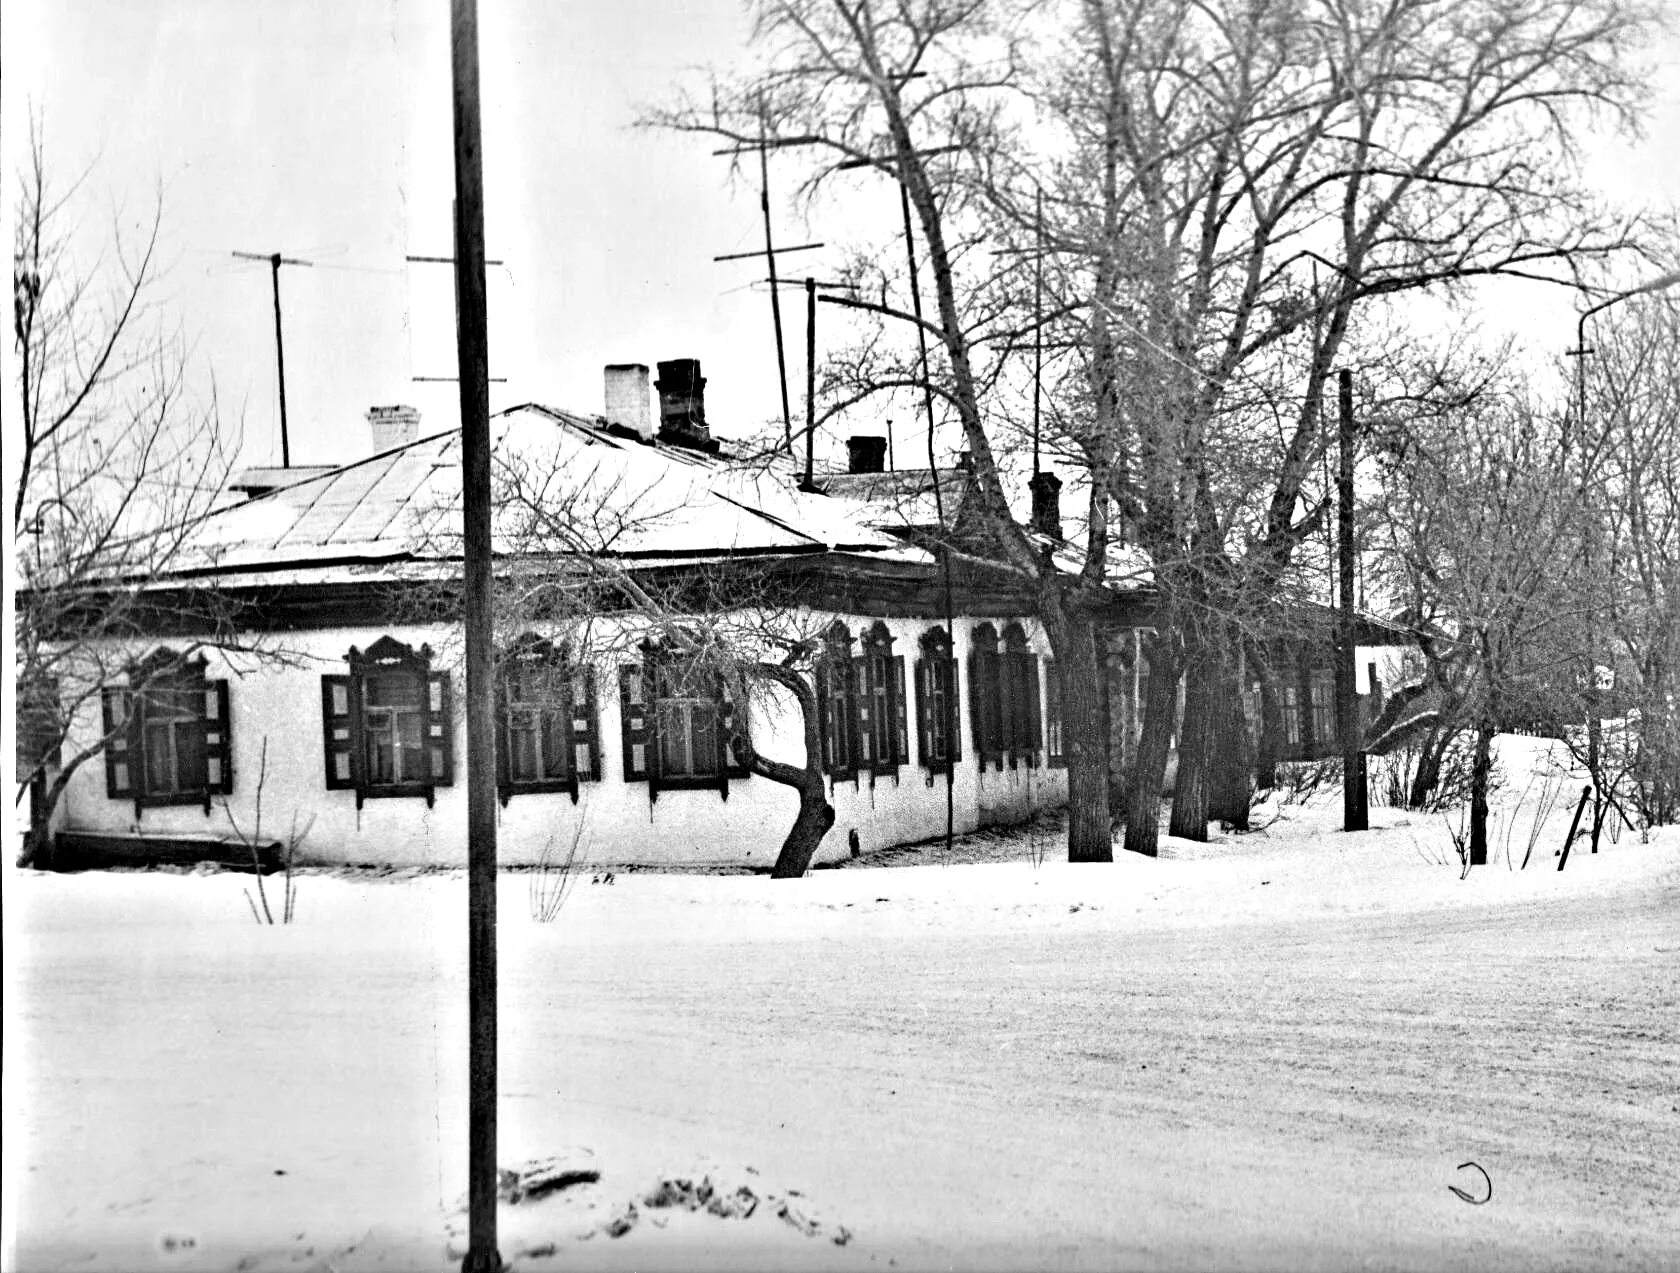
x,y
253,843
556,873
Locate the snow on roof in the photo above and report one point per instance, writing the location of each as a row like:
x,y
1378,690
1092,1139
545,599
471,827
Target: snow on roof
x,y
621,496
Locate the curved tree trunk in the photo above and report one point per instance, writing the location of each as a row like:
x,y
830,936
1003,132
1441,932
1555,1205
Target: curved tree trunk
x,y
1428,774
816,815
1143,800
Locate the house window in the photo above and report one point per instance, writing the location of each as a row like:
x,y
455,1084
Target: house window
x,y
546,738
1053,746
882,727
1023,723
938,721
1003,689
837,705
1291,716
686,712
1322,687
985,694
166,734
387,725
681,725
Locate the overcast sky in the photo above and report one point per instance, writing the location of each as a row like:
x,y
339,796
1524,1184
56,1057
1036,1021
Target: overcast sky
x,y
322,130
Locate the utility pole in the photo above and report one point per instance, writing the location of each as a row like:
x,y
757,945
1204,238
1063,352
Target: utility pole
x,y
770,251
809,483
1355,812
473,361
275,261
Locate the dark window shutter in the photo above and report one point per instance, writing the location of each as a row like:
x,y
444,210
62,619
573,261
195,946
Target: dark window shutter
x,y
862,705
924,720
633,717
440,730
338,713
117,710
901,710
218,740
586,730
984,708
1011,709
821,682
953,735
1035,713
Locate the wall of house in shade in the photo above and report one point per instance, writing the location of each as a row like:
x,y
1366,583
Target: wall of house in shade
x,y
287,707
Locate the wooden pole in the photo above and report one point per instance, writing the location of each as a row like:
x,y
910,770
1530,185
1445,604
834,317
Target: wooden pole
x,y
280,360
1355,813
770,257
1038,326
472,350
810,379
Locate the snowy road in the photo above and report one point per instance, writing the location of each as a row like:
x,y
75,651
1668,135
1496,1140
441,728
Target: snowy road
x,y
1269,1063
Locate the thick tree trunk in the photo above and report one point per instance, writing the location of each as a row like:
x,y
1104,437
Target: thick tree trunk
x,y
1271,725
1085,740
1232,785
1479,772
1192,788
816,817
1428,775
1143,801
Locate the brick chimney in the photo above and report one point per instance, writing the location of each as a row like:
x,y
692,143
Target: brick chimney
x,y
866,455
1046,491
682,405
629,404
392,427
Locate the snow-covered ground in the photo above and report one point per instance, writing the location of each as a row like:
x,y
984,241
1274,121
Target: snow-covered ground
x,y
1271,1051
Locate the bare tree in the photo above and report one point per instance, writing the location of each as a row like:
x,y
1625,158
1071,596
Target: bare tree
x,y
926,95
1225,189
1246,190
1631,425
1486,522
117,463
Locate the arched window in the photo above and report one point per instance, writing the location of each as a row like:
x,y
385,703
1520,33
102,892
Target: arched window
x,y
166,734
882,725
682,727
938,717
985,695
388,724
837,712
1023,723
546,734
1004,697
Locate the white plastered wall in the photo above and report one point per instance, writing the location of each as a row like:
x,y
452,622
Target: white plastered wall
x,y
281,702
